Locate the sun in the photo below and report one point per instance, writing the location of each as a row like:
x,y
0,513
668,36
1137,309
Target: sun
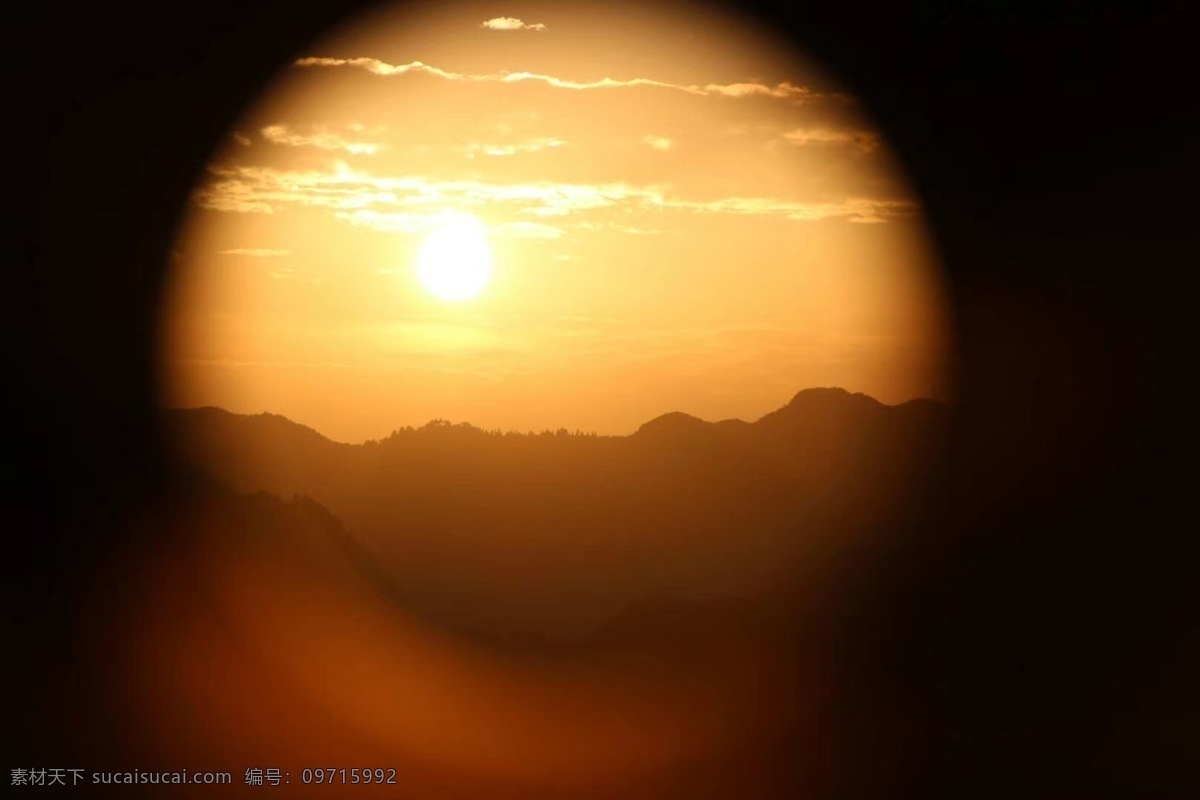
x,y
454,262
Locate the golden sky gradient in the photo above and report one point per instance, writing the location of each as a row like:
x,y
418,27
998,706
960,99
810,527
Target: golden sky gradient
x,y
682,214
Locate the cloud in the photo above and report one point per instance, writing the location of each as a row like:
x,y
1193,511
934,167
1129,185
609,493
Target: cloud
x,y
282,134
241,139
510,24
231,197
389,221
410,203
530,146
866,141
254,252
658,142
784,90
850,209
260,189
377,67
528,230
614,226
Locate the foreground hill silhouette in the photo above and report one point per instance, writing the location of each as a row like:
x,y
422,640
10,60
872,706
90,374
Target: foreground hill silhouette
x,y
268,635
556,534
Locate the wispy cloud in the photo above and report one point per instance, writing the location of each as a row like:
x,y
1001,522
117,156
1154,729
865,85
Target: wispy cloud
x,y
389,221
511,24
528,230
318,137
592,225
850,209
247,188
784,90
530,146
657,142
410,203
254,252
866,141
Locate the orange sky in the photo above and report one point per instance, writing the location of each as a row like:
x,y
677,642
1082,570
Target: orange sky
x,y
682,215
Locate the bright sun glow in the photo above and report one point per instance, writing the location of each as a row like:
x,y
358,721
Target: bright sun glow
x,y
454,262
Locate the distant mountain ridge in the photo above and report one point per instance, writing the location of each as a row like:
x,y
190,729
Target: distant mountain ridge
x,y
805,401
551,531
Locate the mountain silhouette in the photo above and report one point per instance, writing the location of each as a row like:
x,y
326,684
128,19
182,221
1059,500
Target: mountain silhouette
x,y
272,636
557,534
